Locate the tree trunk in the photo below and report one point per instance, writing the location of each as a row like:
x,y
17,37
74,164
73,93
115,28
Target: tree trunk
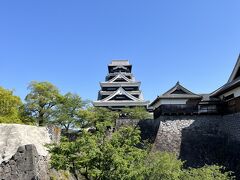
x,y
41,119
73,171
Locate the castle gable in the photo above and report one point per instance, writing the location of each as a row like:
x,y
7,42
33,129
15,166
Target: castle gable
x,y
120,78
121,94
236,71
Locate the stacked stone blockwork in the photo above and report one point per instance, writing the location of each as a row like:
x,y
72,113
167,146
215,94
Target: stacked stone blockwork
x,y
26,164
23,154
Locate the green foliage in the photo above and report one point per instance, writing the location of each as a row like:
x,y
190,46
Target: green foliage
x,y
101,155
9,107
13,118
93,115
207,173
25,116
67,112
59,175
41,101
136,113
97,156
162,165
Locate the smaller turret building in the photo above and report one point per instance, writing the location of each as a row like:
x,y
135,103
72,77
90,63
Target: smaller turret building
x,y
179,100
120,88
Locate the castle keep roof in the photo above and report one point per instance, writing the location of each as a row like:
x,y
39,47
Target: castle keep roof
x,y
120,89
119,63
233,81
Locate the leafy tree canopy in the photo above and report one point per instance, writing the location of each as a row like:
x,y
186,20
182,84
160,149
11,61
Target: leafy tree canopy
x,y
67,112
94,115
101,155
9,107
207,172
97,156
41,101
136,113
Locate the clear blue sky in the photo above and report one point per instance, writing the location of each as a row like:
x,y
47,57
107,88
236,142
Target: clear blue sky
x,y
70,43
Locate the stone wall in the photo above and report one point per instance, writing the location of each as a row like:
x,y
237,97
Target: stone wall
x,y
26,164
197,139
54,133
230,125
173,129
126,122
203,139
181,134
23,155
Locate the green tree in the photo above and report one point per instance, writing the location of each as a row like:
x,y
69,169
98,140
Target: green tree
x,y
162,165
136,113
207,173
26,116
41,100
9,107
94,115
67,112
99,155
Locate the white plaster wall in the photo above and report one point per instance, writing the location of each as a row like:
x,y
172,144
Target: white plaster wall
x,y
235,91
170,101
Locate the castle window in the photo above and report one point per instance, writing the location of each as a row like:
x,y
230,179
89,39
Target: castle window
x,y
229,97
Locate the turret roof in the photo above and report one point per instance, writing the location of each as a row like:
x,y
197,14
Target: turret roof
x,y
119,63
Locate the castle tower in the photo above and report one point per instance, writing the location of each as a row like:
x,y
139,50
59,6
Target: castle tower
x,y
120,88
